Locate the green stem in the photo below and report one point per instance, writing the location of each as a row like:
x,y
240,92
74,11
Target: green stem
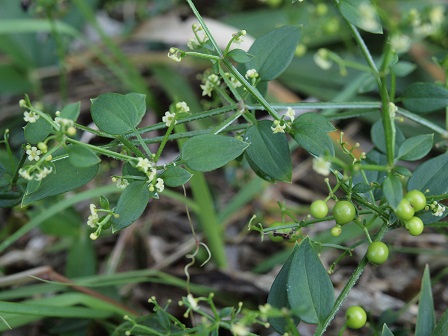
x,y
321,106
348,287
102,150
130,145
142,143
201,55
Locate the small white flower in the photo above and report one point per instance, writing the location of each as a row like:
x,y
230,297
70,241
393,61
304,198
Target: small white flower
x,y
43,173
239,329
278,127
64,122
192,302
193,44
25,174
290,113
206,89
92,220
169,118
440,210
321,166
122,183
33,153
251,73
143,164
175,54
400,43
30,116
151,173
160,185
233,81
182,107
392,109
322,59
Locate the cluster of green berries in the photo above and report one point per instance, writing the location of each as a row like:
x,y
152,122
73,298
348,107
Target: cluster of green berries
x,y
412,202
343,212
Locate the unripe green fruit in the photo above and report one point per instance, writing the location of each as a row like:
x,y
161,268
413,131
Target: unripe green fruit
x,y
319,209
356,317
415,226
377,253
417,199
404,210
344,212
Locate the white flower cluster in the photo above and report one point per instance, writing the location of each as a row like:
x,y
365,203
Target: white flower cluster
x,y
233,81
251,74
35,173
279,126
175,54
199,39
211,81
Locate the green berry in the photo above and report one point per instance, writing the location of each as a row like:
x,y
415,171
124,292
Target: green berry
x,y
336,231
356,317
377,253
319,209
344,212
415,226
404,210
417,199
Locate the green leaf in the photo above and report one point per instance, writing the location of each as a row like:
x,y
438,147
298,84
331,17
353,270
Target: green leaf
x,y
139,100
114,113
379,139
403,68
425,97
309,288
37,131
239,55
65,177
386,331
310,131
432,176
273,52
362,14
362,188
442,326
81,259
209,151
268,153
392,190
81,156
131,204
426,318
416,147
278,297
71,111
175,176
402,171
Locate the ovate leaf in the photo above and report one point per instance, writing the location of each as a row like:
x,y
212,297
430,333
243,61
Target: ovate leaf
x,y
175,176
268,153
131,204
431,175
71,111
37,131
416,147
81,156
273,52
426,319
114,113
278,297
65,177
310,132
209,151
425,97
309,288
362,14
139,100
392,190
239,55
